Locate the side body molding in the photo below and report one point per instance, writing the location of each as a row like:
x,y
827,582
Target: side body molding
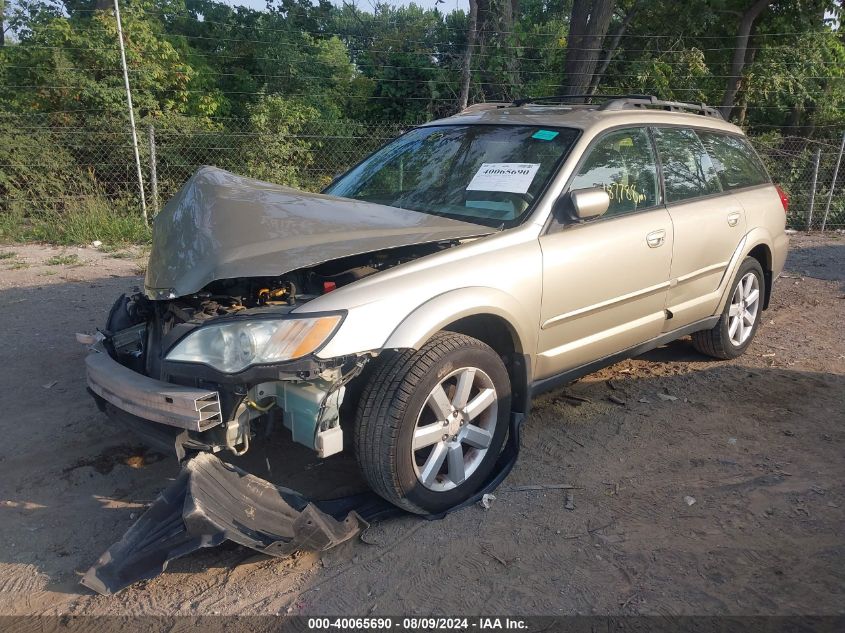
x,y
440,311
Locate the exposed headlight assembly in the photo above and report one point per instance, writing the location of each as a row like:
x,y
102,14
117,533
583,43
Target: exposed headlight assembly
x,y
234,345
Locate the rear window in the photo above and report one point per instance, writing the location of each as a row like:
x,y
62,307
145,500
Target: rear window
x,y
735,161
688,171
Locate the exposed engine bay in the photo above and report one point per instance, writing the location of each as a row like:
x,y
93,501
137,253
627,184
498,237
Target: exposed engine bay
x,y
304,395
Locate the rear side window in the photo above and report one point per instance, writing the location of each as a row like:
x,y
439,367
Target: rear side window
x,y
688,171
622,163
735,161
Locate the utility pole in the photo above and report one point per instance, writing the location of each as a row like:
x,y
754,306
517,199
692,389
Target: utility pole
x,y
131,112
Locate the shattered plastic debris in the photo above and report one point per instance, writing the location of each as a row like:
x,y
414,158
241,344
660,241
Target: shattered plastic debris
x,y
487,501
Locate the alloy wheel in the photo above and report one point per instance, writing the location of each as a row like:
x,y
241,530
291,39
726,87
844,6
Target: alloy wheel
x,y
454,429
742,313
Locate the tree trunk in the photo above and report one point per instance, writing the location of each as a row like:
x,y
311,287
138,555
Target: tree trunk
x,y
738,113
740,46
614,44
466,69
587,27
507,20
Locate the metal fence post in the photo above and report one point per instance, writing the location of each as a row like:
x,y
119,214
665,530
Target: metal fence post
x,y
833,182
813,190
153,170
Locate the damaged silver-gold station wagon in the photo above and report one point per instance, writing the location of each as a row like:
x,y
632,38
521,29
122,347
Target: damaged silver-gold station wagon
x,y
413,308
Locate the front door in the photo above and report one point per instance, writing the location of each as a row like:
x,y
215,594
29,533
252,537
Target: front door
x,y
605,280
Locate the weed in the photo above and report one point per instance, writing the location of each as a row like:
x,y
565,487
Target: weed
x,y
64,260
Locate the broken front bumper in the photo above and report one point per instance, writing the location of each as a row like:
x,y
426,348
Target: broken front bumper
x,y
182,407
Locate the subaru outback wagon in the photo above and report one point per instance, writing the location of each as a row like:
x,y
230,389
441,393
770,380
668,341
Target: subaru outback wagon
x,y
412,308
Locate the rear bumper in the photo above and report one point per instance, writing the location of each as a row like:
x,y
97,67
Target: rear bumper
x,y
174,405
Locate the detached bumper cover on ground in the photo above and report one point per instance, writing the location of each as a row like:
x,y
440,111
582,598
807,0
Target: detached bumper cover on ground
x,y
207,504
211,502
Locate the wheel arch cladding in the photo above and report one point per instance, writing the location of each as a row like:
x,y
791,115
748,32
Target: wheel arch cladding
x,y
763,254
488,314
500,335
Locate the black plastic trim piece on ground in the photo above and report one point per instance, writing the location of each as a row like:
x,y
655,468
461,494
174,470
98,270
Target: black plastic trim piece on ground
x,y
211,502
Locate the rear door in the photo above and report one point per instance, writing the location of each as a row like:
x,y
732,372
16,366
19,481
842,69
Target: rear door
x,y
605,280
708,221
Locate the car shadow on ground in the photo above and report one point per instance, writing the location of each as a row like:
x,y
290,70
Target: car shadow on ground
x,y
754,463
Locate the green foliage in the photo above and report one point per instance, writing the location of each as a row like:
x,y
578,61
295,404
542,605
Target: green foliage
x,y
26,170
275,153
282,94
82,221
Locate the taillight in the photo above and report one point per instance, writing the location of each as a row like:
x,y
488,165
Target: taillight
x,y
784,199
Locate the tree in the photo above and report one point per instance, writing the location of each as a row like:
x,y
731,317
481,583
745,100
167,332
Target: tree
x,y
588,25
466,68
740,45
610,48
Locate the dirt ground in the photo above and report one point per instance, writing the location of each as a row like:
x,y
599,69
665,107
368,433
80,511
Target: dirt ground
x,y
758,443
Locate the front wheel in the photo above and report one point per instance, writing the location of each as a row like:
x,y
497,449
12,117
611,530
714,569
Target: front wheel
x,y
738,324
431,422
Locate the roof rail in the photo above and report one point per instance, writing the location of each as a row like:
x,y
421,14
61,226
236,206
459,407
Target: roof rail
x,y
644,101
585,98
480,107
622,102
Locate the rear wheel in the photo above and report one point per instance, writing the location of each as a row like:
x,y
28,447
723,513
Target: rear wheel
x,y
738,324
431,422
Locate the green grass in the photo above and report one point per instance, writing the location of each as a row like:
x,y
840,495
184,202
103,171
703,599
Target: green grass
x,y
17,266
64,260
92,218
7,255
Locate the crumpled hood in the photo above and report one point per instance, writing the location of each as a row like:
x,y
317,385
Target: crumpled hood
x,y
222,226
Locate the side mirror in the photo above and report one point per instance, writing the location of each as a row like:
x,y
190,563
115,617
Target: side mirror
x,y
583,204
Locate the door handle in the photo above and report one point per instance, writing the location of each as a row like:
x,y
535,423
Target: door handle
x,y
733,218
656,238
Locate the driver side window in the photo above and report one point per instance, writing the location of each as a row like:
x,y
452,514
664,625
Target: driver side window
x,y
622,163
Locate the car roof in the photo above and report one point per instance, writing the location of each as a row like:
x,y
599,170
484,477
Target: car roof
x,y
583,117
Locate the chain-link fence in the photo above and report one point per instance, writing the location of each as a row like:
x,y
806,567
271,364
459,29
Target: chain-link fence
x,y
810,171
58,163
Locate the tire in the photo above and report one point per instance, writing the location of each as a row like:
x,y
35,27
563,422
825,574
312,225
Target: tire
x,y
398,404
724,341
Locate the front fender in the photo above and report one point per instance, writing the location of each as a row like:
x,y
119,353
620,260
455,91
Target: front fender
x,y
438,312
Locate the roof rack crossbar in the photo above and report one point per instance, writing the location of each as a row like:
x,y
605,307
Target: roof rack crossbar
x,y
643,101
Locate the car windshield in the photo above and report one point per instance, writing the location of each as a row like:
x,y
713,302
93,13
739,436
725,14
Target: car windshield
x,y
487,174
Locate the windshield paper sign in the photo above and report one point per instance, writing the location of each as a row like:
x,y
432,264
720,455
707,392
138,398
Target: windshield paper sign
x,y
508,177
